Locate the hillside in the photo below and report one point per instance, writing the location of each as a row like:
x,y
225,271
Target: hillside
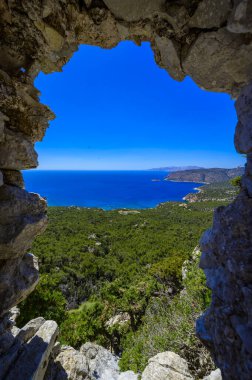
x,y
218,192
213,175
176,168
114,278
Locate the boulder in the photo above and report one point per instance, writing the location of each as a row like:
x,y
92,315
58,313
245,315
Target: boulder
x,y
243,132
214,375
92,362
29,354
240,20
101,363
210,14
18,278
22,216
17,152
131,10
169,57
68,364
225,51
167,366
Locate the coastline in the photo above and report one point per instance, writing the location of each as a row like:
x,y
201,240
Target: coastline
x,y
123,210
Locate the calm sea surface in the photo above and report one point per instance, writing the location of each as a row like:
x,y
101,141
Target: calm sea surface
x,y
106,189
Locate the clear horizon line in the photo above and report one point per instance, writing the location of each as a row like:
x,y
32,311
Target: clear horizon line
x,y
147,169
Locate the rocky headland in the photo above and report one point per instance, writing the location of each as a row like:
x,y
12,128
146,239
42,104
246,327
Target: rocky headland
x,y
205,175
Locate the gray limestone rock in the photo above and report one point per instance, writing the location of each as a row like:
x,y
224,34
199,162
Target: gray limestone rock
x,y
166,366
17,152
18,277
131,10
240,20
169,53
30,329
33,360
211,14
214,375
92,362
102,364
243,132
22,216
224,68
69,364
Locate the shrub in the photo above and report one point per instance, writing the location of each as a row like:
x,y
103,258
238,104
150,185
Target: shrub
x,y
169,325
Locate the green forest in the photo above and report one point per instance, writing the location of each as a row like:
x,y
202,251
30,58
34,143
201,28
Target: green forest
x,y
114,278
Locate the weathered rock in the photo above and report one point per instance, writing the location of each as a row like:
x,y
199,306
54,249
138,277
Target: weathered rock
x,y
224,54
92,362
169,57
214,375
31,359
243,132
3,119
69,364
13,178
30,329
166,366
131,10
211,14
102,364
225,327
18,277
118,319
17,152
22,216
240,20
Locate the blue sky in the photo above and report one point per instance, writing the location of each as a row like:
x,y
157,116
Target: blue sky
x,y
117,110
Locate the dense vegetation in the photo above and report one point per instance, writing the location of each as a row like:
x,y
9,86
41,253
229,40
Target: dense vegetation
x,y
114,277
214,175
220,192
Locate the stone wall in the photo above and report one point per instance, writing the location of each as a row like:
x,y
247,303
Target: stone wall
x,y
209,40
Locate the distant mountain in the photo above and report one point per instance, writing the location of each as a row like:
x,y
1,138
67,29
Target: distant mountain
x,y
205,175
176,168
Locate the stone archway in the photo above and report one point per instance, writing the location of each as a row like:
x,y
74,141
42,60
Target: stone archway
x,y
209,40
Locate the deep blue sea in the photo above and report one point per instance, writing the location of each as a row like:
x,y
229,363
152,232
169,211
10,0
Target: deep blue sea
x,y
106,189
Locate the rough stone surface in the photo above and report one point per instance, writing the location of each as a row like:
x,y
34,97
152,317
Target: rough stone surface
x,y
214,375
92,362
211,14
243,132
167,365
28,354
13,177
225,328
18,277
22,216
102,364
224,57
131,10
68,364
170,57
240,20
209,40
